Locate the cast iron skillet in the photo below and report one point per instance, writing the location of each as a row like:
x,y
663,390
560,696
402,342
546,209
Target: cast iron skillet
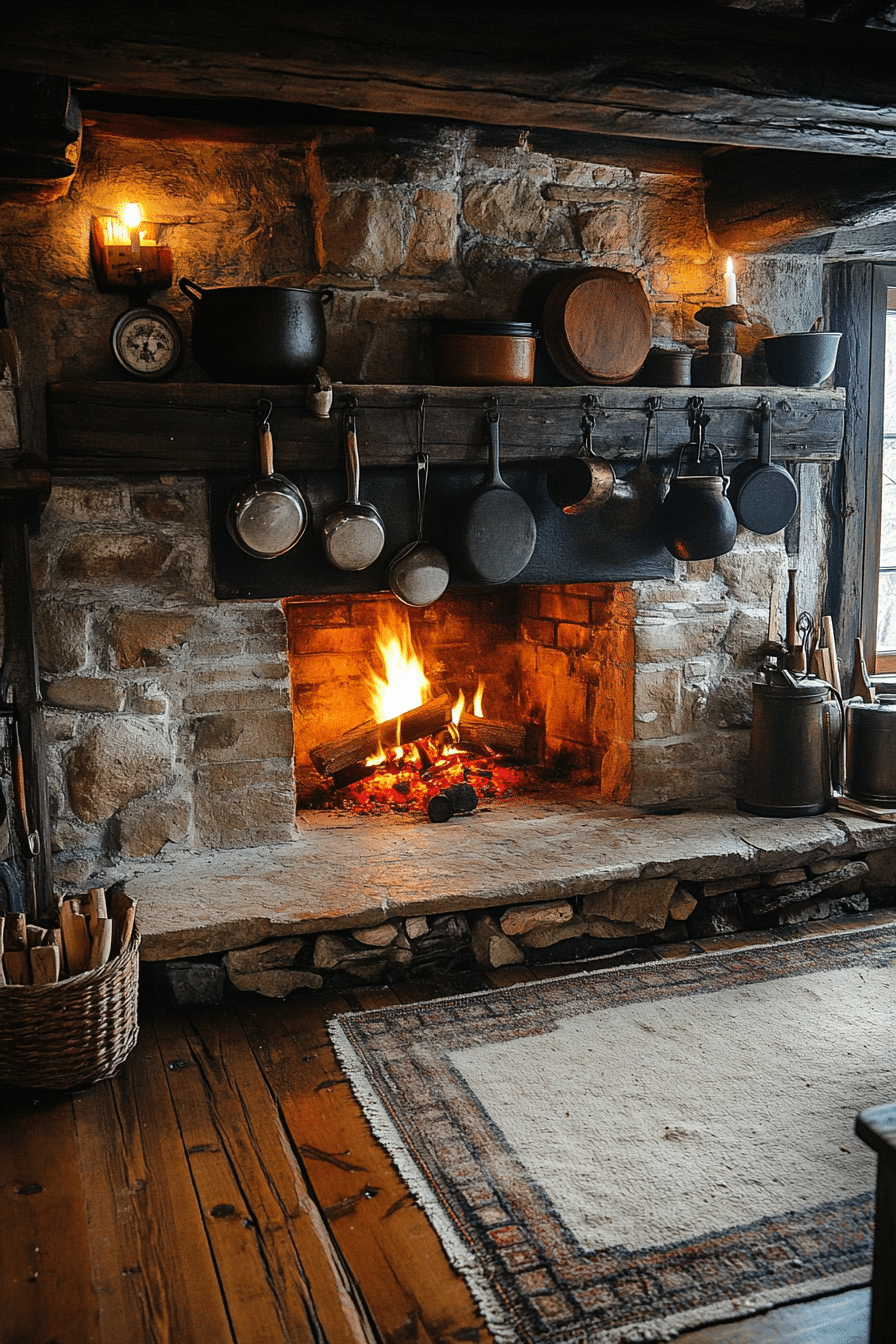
x,y
498,533
763,495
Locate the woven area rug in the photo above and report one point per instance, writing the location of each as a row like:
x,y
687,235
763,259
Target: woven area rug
x,y
629,1153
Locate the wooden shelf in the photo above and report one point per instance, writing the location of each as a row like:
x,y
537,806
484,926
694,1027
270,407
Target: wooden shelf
x,y
128,427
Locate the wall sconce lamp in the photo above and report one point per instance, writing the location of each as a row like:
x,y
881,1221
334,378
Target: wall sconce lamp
x,y
125,252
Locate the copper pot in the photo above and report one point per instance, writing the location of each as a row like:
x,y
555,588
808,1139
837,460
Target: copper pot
x,y
485,354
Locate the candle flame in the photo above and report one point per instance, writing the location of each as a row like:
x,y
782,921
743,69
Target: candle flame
x,y
729,267
130,215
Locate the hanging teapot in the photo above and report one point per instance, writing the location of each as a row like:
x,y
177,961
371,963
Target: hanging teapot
x,y
696,520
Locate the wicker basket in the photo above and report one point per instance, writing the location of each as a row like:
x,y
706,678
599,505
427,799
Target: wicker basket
x,y
74,1032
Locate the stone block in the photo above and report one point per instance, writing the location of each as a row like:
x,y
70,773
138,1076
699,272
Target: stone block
x,y
750,573
681,905
840,881
725,884
71,502
548,935
382,935
416,927
61,637
433,238
278,955
243,737
241,700
160,506
674,639
141,638
121,558
881,870
715,916
491,947
788,876
244,803
642,904
120,759
333,953
188,982
512,210
522,918
148,824
363,232
828,908
89,694
273,984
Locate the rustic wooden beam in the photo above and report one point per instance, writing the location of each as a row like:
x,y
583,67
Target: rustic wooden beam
x,y
210,427
689,71
757,199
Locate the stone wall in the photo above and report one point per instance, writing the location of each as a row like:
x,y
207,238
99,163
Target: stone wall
x,y
169,712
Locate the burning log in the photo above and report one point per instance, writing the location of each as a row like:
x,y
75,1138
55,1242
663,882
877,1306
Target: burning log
x,y
504,739
355,747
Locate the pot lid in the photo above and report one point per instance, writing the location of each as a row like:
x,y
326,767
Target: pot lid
x,y
467,327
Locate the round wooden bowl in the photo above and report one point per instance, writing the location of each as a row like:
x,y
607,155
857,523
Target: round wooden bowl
x,y
598,326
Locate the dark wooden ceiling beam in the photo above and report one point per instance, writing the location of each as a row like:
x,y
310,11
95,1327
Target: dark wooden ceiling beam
x,y
760,199
686,70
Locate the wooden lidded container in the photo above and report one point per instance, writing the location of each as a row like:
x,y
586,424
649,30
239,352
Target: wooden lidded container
x,y
598,326
481,354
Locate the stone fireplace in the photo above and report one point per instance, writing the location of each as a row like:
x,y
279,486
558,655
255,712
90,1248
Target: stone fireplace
x,y
179,720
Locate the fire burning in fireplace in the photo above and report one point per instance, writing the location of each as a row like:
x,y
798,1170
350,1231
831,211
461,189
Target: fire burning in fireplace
x,y
424,743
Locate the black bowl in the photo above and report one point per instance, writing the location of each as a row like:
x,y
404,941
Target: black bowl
x,y
802,359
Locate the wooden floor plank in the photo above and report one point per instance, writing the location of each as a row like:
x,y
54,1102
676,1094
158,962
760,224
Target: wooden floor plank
x,y
413,1293
45,1287
153,1275
840,1319
283,1277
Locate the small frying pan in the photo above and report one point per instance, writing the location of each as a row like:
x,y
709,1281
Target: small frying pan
x,y
498,533
268,516
354,535
763,495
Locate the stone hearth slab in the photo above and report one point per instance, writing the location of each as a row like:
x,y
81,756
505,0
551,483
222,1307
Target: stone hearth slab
x,y
349,872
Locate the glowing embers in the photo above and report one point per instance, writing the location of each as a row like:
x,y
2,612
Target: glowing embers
x,y
418,742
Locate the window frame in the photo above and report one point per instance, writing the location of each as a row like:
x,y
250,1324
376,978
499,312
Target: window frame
x,y
856,305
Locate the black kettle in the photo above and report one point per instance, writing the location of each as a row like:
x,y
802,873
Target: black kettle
x,y
696,519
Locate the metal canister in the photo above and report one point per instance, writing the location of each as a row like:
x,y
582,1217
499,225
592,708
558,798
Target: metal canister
x,y
793,748
871,750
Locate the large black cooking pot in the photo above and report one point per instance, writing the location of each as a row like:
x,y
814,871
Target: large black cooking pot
x,y
258,333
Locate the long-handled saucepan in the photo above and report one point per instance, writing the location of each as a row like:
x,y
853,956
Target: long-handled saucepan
x,y
268,516
354,534
419,573
763,495
498,533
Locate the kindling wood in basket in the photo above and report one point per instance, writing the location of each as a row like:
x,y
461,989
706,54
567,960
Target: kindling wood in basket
x,y
78,1029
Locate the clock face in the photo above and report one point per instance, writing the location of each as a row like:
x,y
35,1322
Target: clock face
x,y
146,342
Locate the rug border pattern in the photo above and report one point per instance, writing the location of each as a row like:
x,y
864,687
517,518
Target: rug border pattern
x,y
537,1289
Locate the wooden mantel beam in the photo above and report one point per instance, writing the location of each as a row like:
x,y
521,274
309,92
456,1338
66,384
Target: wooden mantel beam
x,y
759,199
670,69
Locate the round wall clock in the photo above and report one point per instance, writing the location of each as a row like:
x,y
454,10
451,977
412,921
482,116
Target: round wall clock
x,y
147,342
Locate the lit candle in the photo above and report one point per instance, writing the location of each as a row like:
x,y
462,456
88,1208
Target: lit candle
x,y
730,285
130,218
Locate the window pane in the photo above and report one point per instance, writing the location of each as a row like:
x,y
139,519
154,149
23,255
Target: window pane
x,y
888,504
890,375
886,614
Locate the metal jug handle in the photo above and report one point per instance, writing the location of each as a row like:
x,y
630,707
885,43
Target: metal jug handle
x,y
835,737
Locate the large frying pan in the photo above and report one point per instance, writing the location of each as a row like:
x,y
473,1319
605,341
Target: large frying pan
x,y
763,495
497,537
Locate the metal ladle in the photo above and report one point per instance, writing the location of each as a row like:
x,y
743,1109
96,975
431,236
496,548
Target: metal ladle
x,y
419,573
